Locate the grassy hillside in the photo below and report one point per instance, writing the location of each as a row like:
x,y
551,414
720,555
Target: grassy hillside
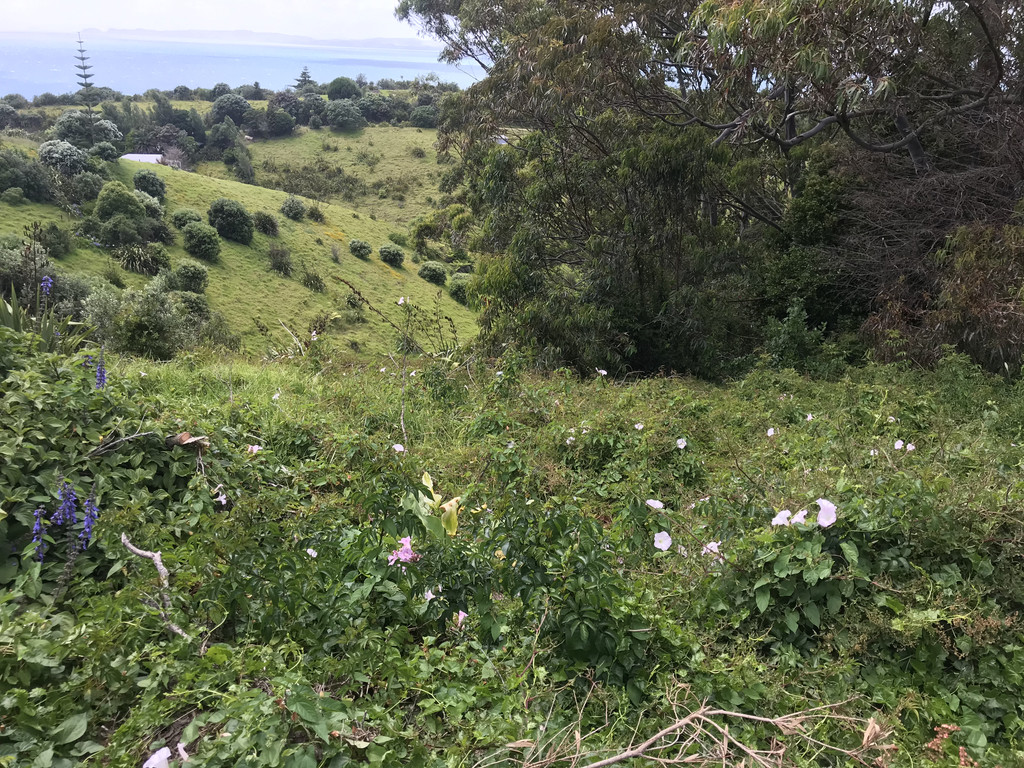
x,y
243,288
399,185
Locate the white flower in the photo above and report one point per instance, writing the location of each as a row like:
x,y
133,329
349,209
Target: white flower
x,y
276,396
662,541
158,759
413,373
873,452
499,374
382,370
911,447
601,371
428,595
891,419
398,448
638,426
782,518
143,373
810,417
570,440
311,552
898,445
254,449
827,515
800,517
655,504
680,443
711,548
182,753
401,300
312,335
771,431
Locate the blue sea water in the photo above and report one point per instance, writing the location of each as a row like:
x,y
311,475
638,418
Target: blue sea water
x,y
31,66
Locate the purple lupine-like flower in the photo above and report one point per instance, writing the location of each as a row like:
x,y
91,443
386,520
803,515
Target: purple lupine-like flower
x,y
37,533
46,285
101,372
91,513
67,512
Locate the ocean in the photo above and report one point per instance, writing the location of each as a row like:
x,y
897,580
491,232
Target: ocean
x,y
33,65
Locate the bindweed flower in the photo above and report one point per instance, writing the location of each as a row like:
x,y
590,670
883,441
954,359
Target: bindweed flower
x,y
898,445
429,595
570,440
46,285
254,449
800,518
782,518
91,513
158,759
38,529
654,504
401,300
827,515
398,448
601,371
680,443
873,452
404,553
810,417
771,431
312,336
662,541
638,426
911,447
311,552
460,617
276,396
223,500
67,512
712,548
101,372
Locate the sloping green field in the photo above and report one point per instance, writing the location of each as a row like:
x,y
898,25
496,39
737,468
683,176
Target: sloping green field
x,y
243,288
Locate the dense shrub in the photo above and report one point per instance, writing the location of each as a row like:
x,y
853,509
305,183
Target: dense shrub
x,y
315,123
375,107
360,248
313,280
343,88
57,241
434,272
424,117
419,153
66,159
279,122
191,276
12,196
119,230
316,213
458,287
143,258
231,220
195,306
293,208
153,208
105,151
265,223
18,170
201,240
280,259
149,182
116,199
399,239
392,254
79,128
230,105
343,115
84,187
182,217
8,115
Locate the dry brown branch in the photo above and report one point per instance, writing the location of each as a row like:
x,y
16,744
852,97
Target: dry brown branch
x,y
164,576
702,737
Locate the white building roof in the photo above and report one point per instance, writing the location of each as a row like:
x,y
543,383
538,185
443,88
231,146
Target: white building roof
x,y
144,158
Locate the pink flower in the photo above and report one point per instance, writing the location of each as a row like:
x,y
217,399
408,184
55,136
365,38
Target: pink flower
x,y
810,417
429,595
680,443
898,445
460,617
223,500
911,447
771,432
711,548
398,448
158,759
662,541
655,504
782,518
254,449
404,553
827,515
638,426
311,552
800,517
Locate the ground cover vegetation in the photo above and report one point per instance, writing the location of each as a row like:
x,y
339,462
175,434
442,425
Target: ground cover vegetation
x,y
656,182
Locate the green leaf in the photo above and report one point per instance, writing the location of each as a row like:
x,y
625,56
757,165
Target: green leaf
x,y
850,553
813,614
71,729
762,597
792,620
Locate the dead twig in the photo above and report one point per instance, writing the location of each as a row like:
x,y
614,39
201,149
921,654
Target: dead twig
x,y
164,575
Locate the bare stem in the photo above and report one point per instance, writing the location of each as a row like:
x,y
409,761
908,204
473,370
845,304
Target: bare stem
x,y
164,575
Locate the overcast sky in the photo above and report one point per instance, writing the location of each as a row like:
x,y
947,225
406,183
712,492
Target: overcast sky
x,y
320,19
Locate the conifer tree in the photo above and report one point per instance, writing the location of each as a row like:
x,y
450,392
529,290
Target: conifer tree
x,y
86,94
304,80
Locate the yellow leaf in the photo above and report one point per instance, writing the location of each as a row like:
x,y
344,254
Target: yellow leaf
x,y
450,516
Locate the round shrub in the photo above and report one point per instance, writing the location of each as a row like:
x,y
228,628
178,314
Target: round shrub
x,y
360,249
231,220
343,88
85,187
194,305
192,276
458,287
293,208
392,255
265,223
65,158
229,105
105,151
315,123
201,241
182,217
316,213
148,182
424,117
433,272
119,229
115,199
12,196
343,115
153,208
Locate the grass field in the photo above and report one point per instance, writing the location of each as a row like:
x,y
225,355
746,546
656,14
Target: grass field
x,y
243,288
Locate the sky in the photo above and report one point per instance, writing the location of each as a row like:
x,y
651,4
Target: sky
x,y
319,19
